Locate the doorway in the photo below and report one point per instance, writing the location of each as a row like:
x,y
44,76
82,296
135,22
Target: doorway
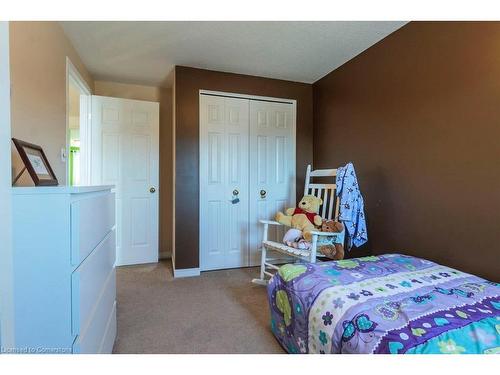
x,y
78,130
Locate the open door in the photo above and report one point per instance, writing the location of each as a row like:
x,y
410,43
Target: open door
x,y
125,136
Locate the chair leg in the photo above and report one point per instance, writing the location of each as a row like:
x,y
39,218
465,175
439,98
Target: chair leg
x,y
263,263
313,248
262,280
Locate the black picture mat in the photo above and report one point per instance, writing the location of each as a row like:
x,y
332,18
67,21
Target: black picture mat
x,y
21,147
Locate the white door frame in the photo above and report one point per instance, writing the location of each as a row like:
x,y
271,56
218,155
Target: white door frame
x,y
6,256
73,76
293,102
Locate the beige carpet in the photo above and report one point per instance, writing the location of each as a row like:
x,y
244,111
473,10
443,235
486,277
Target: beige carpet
x,y
217,312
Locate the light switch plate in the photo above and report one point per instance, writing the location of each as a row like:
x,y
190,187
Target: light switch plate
x,y
63,155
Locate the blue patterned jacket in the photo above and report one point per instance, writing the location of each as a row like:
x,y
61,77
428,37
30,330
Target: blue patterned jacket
x,y
351,211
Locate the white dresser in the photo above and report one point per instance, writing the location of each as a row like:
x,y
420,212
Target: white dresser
x,y
64,269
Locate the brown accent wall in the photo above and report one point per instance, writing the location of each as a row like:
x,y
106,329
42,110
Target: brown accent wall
x,y
419,115
38,53
187,83
164,97
166,173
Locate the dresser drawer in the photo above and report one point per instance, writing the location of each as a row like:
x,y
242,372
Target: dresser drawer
x,y
91,219
108,342
89,283
101,331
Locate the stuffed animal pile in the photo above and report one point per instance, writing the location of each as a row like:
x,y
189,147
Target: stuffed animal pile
x,y
304,217
303,220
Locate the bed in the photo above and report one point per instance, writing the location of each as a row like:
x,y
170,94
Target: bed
x,y
390,303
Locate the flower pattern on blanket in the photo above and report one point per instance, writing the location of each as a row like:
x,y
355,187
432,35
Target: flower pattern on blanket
x,y
385,304
360,292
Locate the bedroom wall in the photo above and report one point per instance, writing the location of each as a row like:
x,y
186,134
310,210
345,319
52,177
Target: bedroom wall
x,y
187,83
38,53
164,97
418,114
127,91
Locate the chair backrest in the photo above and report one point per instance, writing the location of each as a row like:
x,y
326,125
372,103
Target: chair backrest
x,y
325,190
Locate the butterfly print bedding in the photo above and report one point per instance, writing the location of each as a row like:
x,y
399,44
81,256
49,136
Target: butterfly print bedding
x,y
383,304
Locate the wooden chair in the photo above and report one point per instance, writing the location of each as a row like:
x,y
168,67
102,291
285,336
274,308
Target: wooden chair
x,y
328,210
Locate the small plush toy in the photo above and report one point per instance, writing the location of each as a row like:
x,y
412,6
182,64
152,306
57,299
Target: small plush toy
x,y
293,238
332,226
305,217
332,250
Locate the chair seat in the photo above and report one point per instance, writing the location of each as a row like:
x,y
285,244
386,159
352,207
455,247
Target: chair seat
x,y
282,248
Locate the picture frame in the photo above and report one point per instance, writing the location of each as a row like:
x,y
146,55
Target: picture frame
x,y
36,162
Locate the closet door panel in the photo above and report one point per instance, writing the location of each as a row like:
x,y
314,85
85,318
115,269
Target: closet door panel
x,y
236,118
212,181
272,168
223,179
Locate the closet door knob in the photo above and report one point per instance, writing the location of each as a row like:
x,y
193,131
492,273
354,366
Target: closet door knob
x,y
263,193
152,190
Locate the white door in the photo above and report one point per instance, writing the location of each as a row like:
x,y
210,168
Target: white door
x,y
272,168
246,145
223,182
125,154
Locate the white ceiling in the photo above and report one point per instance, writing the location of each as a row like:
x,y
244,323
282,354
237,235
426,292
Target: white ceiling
x,y
146,52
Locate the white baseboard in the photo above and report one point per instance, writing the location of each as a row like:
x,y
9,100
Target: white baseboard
x,y
186,272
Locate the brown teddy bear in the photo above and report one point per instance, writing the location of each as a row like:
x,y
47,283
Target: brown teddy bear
x,y
305,217
333,251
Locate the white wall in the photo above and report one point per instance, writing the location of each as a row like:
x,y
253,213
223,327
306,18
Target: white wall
x,y
6,304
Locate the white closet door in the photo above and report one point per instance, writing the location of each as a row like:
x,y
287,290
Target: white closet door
x,y
124,153
272,168
223,170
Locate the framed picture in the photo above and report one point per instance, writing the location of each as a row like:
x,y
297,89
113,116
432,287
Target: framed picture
x,y
36,163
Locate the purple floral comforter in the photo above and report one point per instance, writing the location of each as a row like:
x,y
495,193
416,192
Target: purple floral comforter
x,y
383,304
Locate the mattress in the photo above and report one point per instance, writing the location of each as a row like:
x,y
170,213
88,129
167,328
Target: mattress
x,y
390,303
